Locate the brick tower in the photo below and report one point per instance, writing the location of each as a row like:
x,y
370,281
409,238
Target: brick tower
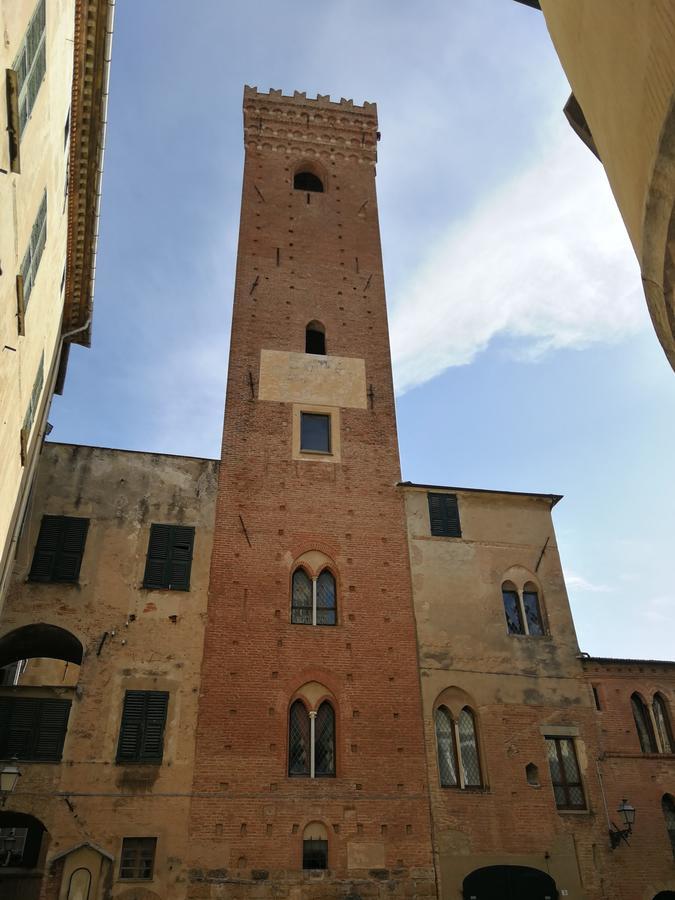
x,y
310,765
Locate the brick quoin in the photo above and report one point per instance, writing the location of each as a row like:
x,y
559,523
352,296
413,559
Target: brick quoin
x,y
302,257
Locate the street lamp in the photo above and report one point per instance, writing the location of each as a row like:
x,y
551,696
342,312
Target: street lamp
x,y
627,813
9,776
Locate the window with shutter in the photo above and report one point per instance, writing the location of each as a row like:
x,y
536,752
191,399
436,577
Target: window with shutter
x,y
444,515
30,64
33,254
33,728
169,559
59,549
141,737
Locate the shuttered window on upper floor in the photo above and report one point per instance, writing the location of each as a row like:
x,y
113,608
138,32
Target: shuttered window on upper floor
x,y
59,549
34,250
30,64
33,728
142,728
169,558
444,515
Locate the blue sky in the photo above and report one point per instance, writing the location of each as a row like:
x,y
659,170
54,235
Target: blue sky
x,y
523,354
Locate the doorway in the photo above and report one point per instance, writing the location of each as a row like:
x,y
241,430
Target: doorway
x,y
509,883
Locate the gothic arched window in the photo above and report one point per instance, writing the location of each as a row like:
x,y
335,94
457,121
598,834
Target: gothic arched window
x,y
452,734
643,724
314,600
662,721
311,741
668,807
522,609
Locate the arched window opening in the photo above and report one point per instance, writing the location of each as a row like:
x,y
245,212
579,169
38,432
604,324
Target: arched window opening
x,y
532,775
315,846
668,807
314,600
21,839
468,749
326,607
311,741
514,619
533,618
324,742
445,748
315,339
522,609
40,655
298,740
307,181
643,724
302,602
662,720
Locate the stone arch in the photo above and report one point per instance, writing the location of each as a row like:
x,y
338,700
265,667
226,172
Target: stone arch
x,y
510,882
40,640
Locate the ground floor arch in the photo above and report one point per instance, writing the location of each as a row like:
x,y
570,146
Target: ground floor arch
x,y
509,883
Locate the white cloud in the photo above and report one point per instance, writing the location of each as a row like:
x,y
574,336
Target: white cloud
x,y
579,583
545,260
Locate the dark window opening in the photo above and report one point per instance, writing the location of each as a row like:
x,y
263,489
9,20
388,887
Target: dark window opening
x,y
662,723
444,515
532,775
138,858
562,761
301,601
20,840
315,339
169,558
314,854
324,742
59,549
514,621
32,728
326,605
298,740
668,807
643,724
596,697
307,181
315,432
535,623
142,729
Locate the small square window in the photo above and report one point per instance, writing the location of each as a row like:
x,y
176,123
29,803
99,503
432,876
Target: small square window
x,y
138,858
314,433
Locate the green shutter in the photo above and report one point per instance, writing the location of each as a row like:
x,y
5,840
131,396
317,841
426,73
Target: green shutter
x,y
32,728
141,737
59,549
169,558
444,515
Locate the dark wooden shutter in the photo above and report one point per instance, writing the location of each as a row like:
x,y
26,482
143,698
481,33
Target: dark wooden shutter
x,y
33,728
155,719
59,549
142,729
444,515
169,557
73,538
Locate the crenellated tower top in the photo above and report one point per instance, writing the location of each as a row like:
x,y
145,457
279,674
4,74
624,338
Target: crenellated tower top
x,y
320,127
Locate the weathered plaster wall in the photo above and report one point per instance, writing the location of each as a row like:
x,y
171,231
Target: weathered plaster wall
x,y
133,638
521,687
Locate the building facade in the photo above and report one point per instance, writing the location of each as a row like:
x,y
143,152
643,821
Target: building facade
x,y
286,673
55,56
619,57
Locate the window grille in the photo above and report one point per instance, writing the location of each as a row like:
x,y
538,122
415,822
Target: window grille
x,y
138,858
445,746
33,728
564,767
141,737
34,250
514,621
533,618
324,741
453,735
444,515
169,561
643,724
313,600
314,854
299,740
662,720
59,549
31,63
468,749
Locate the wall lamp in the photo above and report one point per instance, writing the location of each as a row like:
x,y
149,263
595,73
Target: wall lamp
x,y
616,835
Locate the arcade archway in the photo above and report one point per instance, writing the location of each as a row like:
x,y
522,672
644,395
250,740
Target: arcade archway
x,y
509,883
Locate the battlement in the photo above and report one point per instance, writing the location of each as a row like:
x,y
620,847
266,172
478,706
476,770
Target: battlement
x,y
300,98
